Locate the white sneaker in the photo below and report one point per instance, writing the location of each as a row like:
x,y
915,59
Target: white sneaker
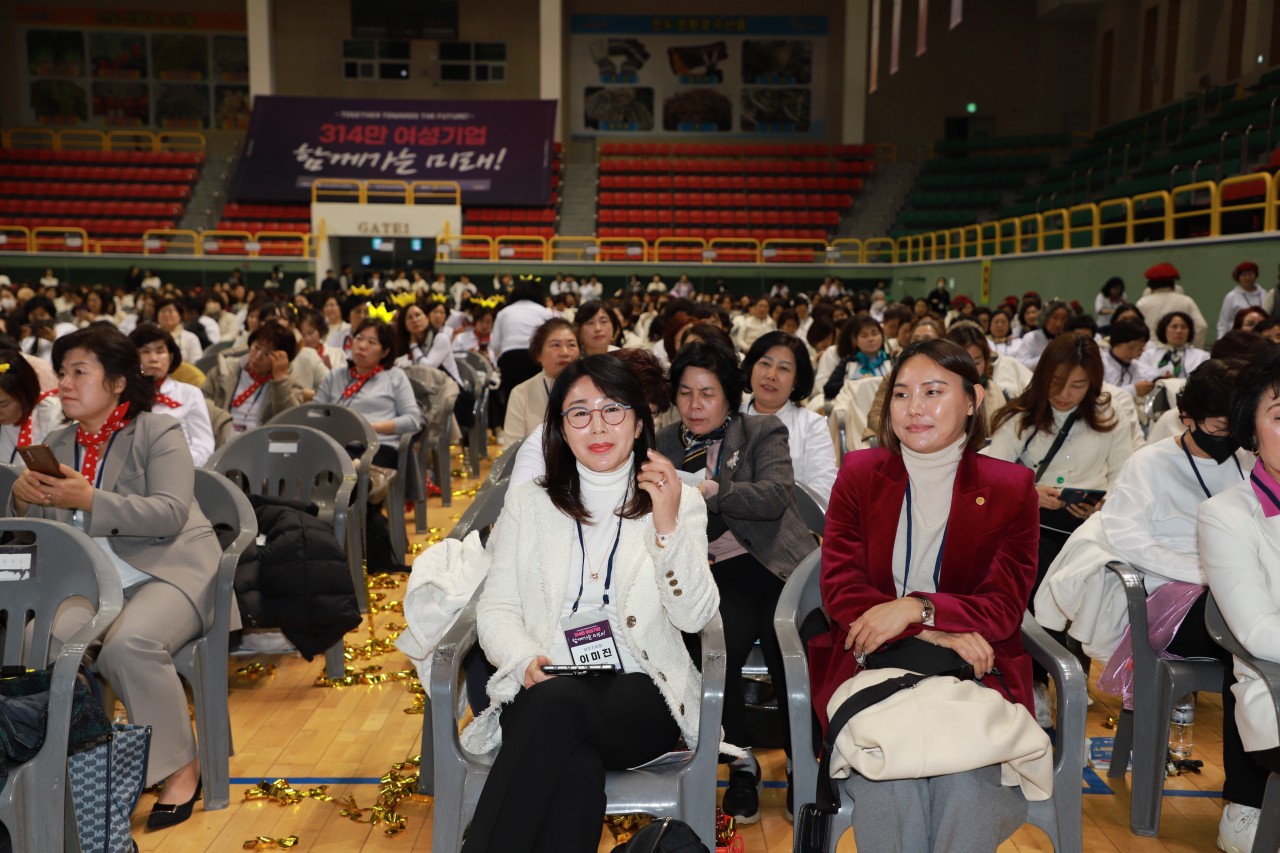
x,y
1236,829
1044,714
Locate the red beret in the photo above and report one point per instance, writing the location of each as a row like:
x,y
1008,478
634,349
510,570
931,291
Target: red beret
x,y
1162,272
1011,301
961,300
1242,267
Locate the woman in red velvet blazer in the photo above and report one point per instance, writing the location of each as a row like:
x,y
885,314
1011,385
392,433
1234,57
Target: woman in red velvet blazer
x,y
926,538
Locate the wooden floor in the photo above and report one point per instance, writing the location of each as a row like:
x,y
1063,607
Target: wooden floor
x,y
349,738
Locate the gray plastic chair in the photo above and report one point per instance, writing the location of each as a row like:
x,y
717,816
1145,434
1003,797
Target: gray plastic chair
x,y
209,358
1059,817
203,661
1144,731
687,792
481,515
301,464
434,448
409,476
484,370
65,564
1267,839
345,426
503,465
812,508
478,434
8,476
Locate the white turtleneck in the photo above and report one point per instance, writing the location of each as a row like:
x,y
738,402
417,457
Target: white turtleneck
x,y
603,494
930,481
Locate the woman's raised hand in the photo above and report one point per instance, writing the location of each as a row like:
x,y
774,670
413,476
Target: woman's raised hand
x,y
658,477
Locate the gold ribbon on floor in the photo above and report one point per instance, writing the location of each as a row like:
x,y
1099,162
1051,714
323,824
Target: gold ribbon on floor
x,y
256,670
280,791
623,826
263,842
368,675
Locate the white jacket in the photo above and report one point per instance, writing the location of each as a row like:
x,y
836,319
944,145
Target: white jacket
x,y
941,726
444,578
1240,553
660,592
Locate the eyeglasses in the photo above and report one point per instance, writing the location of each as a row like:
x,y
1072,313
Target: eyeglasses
x,y
612,414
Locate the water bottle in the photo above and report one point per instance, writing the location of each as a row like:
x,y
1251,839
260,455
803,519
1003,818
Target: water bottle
x,y
1180,724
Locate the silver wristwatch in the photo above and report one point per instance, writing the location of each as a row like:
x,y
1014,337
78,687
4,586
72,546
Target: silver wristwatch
x,y
926,611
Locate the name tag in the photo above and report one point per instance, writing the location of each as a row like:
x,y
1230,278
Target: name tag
x,y
589,637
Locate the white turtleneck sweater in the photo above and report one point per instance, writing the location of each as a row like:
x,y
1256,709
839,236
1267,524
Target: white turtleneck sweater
x,y
603,494
930,478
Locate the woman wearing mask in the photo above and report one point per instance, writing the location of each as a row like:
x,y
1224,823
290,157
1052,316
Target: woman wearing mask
x,y
755,536
553,347
27,415
781,377
128,481
160,357
917,545
611,537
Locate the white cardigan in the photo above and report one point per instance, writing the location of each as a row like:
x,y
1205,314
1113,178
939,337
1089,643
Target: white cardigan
x,y
1240,553
661,592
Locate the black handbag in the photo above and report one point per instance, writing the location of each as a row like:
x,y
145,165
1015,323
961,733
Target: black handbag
x,y
916,655
667,835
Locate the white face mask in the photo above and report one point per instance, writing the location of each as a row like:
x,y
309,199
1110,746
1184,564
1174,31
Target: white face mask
x,y
8,303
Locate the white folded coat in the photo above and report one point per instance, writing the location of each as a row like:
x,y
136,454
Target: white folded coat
x,y
941,726
444,578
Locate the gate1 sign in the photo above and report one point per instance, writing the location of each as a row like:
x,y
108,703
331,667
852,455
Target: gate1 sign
x,y
499,152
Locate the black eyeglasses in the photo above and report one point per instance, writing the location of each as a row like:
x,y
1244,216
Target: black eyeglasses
x,y
579,417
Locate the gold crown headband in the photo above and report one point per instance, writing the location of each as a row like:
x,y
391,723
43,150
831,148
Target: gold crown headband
x,y
381,312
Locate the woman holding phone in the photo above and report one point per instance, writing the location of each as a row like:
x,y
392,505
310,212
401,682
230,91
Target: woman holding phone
x,y
125,477
608,539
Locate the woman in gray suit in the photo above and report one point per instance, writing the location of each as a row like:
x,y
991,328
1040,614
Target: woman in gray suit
x,y
128,481
755,536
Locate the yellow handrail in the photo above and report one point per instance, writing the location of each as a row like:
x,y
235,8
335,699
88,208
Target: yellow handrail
x,y
345,188
1125,204
32,137
73,239
1165,219
836,250
512,246
211,241
734,250
282,239
444,244
157,240
634,249
1036,219
1268,211
872,247
181,140
25,232
1094,233
81,139
435,192
680,246
129,140
785,250
573,247
1190,191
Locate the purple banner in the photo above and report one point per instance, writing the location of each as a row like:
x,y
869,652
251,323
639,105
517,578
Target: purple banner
x,y
499,152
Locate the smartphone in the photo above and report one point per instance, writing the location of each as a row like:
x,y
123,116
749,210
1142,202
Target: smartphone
x,y
40,458
576,669
1071,497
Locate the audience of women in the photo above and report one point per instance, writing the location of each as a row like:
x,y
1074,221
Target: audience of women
x,y
1173,357
160,356
553,347
926,538
1239,535
780,376
27,414
755,536
127,480
609,539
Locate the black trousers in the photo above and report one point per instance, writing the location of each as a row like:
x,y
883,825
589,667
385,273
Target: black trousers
x,y
516,366
748,596
1246,772
545,791
1056,527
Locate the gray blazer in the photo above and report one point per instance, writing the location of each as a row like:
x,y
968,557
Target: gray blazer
x,y
220,387
146,506
757,490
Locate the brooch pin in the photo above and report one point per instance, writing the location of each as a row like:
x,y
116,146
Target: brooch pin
x,y
733,460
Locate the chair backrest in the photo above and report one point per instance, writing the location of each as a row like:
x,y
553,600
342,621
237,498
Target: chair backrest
x,y
484,510
293,462
501,468
46,564
223,504
1221,633
470,377
8,476
343,425
812,508
478,362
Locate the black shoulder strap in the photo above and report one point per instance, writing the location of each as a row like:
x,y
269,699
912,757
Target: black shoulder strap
x,y
827,797
1057,444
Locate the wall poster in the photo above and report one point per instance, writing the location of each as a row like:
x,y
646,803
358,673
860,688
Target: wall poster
x,y
719,74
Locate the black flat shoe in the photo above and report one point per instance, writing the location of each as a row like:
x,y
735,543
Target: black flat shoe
x,y
164,815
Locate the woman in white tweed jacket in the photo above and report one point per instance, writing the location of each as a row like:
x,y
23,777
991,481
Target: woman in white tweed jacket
x,y
601,560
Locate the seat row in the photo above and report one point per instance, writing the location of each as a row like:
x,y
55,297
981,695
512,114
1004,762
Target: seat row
x,y
49,156
509,231
127,227
723,149
736,200
509,214
738,218
728,183
250,210
253,226
106,189
777,232
736,167
124,209
127,174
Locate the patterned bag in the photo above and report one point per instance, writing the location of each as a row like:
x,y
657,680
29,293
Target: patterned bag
x,y
106,782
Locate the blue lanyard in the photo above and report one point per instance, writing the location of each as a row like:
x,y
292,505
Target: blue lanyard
x,y
102,460
608,577
937,566
1196,471
1275,502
